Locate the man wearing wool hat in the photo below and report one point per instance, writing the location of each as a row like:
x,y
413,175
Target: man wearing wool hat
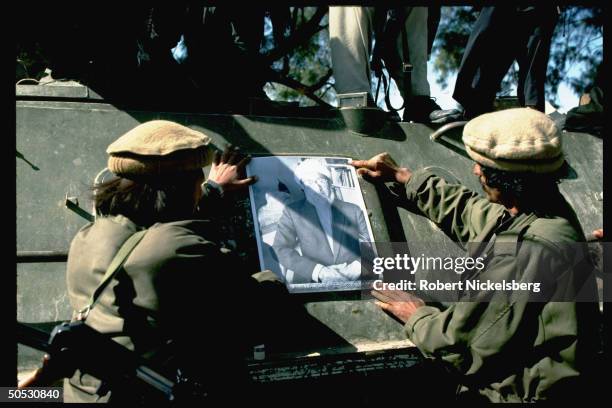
x,y
155,224
326,230
505,347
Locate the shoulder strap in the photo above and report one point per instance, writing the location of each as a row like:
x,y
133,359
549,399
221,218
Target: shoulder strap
x,y
507,243
116,264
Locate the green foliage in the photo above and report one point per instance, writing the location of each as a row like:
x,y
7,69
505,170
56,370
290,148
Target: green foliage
x,y
450,42
576,49
576,53
32,59
306,63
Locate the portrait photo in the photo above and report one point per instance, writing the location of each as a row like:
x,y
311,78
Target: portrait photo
x,y
311,223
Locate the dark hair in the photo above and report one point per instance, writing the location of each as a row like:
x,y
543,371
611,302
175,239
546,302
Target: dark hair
x,y
147,200
524,187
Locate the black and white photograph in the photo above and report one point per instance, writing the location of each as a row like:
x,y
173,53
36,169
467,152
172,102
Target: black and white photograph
x,y
310,219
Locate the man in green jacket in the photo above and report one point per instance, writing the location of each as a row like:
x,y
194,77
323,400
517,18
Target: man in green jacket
x,y
163,302
510,347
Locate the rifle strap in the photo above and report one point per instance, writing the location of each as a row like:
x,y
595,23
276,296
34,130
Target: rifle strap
x,y
115,265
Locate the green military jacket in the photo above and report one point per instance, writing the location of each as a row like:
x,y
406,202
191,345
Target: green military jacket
x,y
172,303
508,349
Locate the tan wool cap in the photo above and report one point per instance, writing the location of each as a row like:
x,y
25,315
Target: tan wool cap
x,y
516,140
158,147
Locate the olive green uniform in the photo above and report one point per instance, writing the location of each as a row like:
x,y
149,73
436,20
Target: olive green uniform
x,y
175,301
508,349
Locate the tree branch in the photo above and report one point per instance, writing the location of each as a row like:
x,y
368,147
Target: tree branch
x,y
298,37
275,76
314,87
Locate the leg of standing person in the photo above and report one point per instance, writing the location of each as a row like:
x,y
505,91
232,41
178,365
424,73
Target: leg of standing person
x,y
414,38
533,58
350,35
434,13
491,49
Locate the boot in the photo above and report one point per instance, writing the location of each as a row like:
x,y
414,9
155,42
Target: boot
x,y
419,108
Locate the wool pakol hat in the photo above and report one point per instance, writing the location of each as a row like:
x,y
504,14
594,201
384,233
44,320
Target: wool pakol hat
x,y
158,147
515,140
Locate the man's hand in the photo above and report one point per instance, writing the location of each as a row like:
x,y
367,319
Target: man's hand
x,y
228,170
352,271
340,272
38,378
382,168
399,303
598,233
330,274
